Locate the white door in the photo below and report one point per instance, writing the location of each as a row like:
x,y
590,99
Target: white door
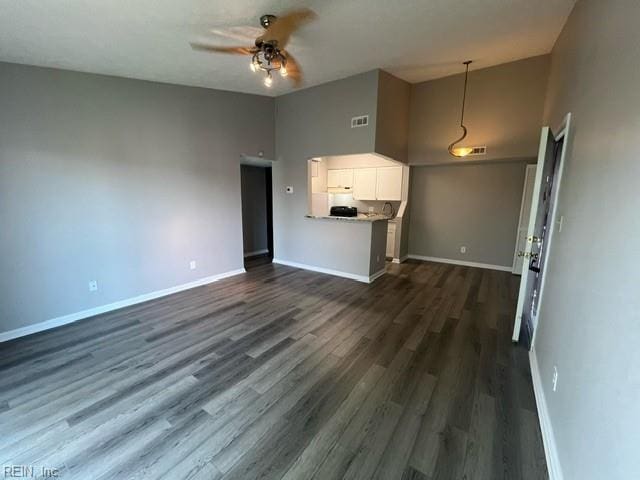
x,y
523,222
364,183
546,187
389,183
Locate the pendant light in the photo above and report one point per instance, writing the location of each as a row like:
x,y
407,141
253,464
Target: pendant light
x,y
462,151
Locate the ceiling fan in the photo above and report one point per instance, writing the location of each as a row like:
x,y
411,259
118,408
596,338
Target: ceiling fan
x,y
269,54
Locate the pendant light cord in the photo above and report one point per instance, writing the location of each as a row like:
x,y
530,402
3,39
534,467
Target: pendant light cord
x,y
464,93
464,129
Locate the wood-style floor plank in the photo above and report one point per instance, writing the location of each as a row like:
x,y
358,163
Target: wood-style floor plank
x,y
283,373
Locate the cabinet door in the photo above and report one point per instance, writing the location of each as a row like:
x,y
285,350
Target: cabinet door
x,y
364,183
333,178
389,183
346,178
340,178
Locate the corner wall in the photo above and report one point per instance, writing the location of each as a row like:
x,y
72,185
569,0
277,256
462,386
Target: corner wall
x,y
476,206
116,180
589,321
392,129
310,123
503,112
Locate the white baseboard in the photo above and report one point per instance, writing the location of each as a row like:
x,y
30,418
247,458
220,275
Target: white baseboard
x,y
74,317
400,260
548,439
378,274
503,268
257,252
329,271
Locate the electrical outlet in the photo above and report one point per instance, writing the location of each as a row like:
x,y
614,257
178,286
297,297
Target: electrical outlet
x,y
463,249
378,259
93,286
192,264
555,378
371,210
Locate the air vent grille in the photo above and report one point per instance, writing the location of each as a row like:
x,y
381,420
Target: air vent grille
x,y
479,151
361,121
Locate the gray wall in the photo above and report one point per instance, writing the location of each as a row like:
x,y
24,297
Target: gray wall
x,y
117,180
475,205
316,122
503,111
254,209
392,129
589,322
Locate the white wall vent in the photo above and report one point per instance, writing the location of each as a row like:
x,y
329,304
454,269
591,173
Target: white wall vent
x,y
361,121
478,151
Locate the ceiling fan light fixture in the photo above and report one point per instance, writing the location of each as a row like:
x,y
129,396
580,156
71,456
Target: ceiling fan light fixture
x,y
268,53
461,151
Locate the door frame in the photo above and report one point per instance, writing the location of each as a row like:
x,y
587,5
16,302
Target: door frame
x,y
268,176
563,134
530,170
563,131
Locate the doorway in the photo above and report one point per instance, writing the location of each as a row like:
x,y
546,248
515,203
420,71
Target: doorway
x,y
257,215
542,222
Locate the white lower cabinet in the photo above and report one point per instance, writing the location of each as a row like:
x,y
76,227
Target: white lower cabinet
x,y
391,239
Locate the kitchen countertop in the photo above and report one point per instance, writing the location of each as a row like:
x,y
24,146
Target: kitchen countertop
x,y
360,218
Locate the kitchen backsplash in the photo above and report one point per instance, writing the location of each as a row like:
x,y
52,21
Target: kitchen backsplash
x,y
347,199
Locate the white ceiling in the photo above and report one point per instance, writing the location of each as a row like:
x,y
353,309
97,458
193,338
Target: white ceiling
x,y
415,40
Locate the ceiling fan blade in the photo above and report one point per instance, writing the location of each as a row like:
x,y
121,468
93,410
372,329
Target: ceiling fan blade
x,y
283,26
239,33
294,72
230,50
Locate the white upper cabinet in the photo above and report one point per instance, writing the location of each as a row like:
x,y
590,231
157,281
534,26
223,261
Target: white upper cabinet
x,y
341,179
364,183
380,183
389,183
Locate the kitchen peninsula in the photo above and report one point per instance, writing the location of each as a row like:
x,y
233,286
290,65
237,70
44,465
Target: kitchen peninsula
x,y
356,207
358,244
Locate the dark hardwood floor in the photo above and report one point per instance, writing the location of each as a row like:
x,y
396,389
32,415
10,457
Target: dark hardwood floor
x,y
283,373
257,260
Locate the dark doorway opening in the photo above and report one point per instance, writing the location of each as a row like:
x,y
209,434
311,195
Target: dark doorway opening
x,y
257,215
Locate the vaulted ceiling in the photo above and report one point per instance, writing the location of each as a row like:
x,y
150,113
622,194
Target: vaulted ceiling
x,y
415,40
